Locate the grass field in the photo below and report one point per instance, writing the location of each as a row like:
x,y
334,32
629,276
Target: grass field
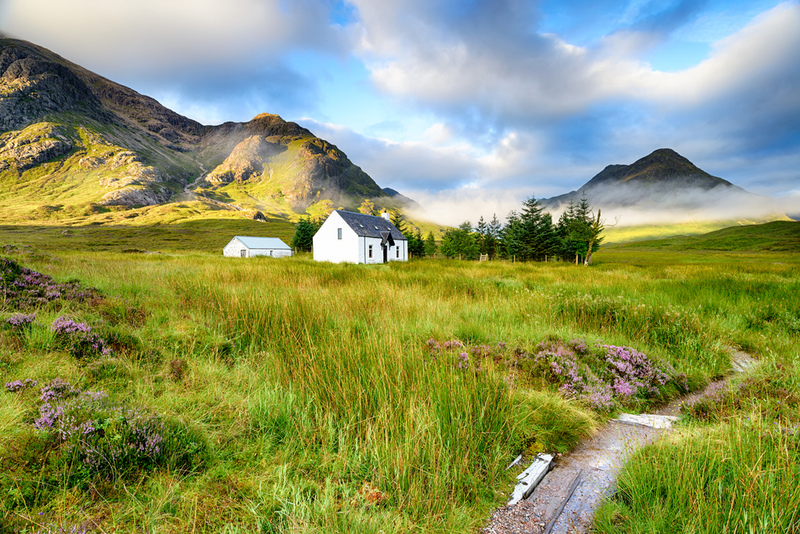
x,y
220,395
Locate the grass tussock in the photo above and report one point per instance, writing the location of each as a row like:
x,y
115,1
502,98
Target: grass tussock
x,y
739,476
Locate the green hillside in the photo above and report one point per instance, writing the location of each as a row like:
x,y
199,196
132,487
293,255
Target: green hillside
x,y
76,148
776,236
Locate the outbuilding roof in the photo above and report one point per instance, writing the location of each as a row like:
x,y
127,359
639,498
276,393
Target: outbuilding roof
x,y
371,226
263,242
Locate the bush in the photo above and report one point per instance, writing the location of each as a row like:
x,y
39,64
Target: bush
x,y
25,288
78,338
20,322
606,378
101,437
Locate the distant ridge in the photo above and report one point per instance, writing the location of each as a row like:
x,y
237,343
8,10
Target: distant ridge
x,y
74,144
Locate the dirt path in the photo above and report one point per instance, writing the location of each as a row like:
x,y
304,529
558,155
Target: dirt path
x,y
565,500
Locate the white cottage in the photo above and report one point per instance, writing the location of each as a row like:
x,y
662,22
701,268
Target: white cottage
x,y
357,238
247,247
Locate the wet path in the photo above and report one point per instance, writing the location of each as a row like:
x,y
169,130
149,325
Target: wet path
x,y
565,500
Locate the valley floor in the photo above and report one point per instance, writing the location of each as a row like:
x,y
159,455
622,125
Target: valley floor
x,y
183,391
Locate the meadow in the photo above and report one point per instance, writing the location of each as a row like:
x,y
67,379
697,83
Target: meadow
x,y
182,391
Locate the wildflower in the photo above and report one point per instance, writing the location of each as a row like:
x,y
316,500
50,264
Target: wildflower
x,y
21,320
18,385
79,338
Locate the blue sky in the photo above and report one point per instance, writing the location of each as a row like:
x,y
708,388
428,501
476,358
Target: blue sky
x,y
474,103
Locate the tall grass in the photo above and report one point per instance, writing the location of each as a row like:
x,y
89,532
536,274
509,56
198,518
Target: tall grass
x,y
738,477
323,407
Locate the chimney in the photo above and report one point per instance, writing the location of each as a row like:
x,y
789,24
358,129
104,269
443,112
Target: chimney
x,y
385,215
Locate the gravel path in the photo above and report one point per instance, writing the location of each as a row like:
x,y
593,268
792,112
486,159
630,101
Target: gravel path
x,y
591,471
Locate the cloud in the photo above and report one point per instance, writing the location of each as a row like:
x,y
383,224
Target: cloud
x,y
495,75
153,35
226,56
401,165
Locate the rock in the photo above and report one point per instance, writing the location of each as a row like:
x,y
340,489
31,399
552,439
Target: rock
x,y
256,216
34,145
134,196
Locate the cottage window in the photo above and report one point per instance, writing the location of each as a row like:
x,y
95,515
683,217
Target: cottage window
x,y
370,251
244,252
397,251
339,232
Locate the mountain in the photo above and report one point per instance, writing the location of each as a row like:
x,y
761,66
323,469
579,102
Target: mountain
x,y
662,179
74,144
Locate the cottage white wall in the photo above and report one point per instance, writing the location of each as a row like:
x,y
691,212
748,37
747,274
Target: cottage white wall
x,y
377,253
351,248
273,252
403,246
328,247
377,250
233,249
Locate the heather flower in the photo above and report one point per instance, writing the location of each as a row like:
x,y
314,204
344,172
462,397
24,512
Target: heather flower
x,y
579,346
57,389
18,385
25,288
634,371
105,436
79,338
463,362
21,321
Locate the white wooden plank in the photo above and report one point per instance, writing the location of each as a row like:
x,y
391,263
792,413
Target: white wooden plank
x,y
530,478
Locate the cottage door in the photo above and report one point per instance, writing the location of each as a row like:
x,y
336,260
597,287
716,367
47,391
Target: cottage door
x,y
385,253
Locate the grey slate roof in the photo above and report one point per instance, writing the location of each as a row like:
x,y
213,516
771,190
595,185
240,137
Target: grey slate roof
x,y
370,226
263,242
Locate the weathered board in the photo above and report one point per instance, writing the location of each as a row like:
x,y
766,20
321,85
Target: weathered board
x,y
530,478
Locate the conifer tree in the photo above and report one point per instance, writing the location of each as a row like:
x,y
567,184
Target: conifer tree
x,y
430,244
303,239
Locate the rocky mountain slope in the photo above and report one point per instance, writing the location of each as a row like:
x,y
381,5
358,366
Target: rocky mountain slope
x,y
73,143
662,179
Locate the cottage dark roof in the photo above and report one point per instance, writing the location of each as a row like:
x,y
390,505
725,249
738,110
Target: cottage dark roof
x,y
370,226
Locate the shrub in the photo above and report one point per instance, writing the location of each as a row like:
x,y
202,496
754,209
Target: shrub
x,y
78,338
25,288
19,385
20,322
605,379
103,437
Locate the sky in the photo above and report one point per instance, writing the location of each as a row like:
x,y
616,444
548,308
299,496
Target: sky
x,y
478,104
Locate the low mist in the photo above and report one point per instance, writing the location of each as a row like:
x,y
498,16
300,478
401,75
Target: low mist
x,y
623,206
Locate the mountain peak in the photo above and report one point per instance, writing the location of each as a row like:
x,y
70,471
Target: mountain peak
x,y
63,124
662,166
663,174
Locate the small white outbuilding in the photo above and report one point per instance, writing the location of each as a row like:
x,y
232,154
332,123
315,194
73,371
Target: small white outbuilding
x,y
357,238
247,247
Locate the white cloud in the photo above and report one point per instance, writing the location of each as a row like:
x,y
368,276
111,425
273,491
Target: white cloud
x,y
754,58
157,36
